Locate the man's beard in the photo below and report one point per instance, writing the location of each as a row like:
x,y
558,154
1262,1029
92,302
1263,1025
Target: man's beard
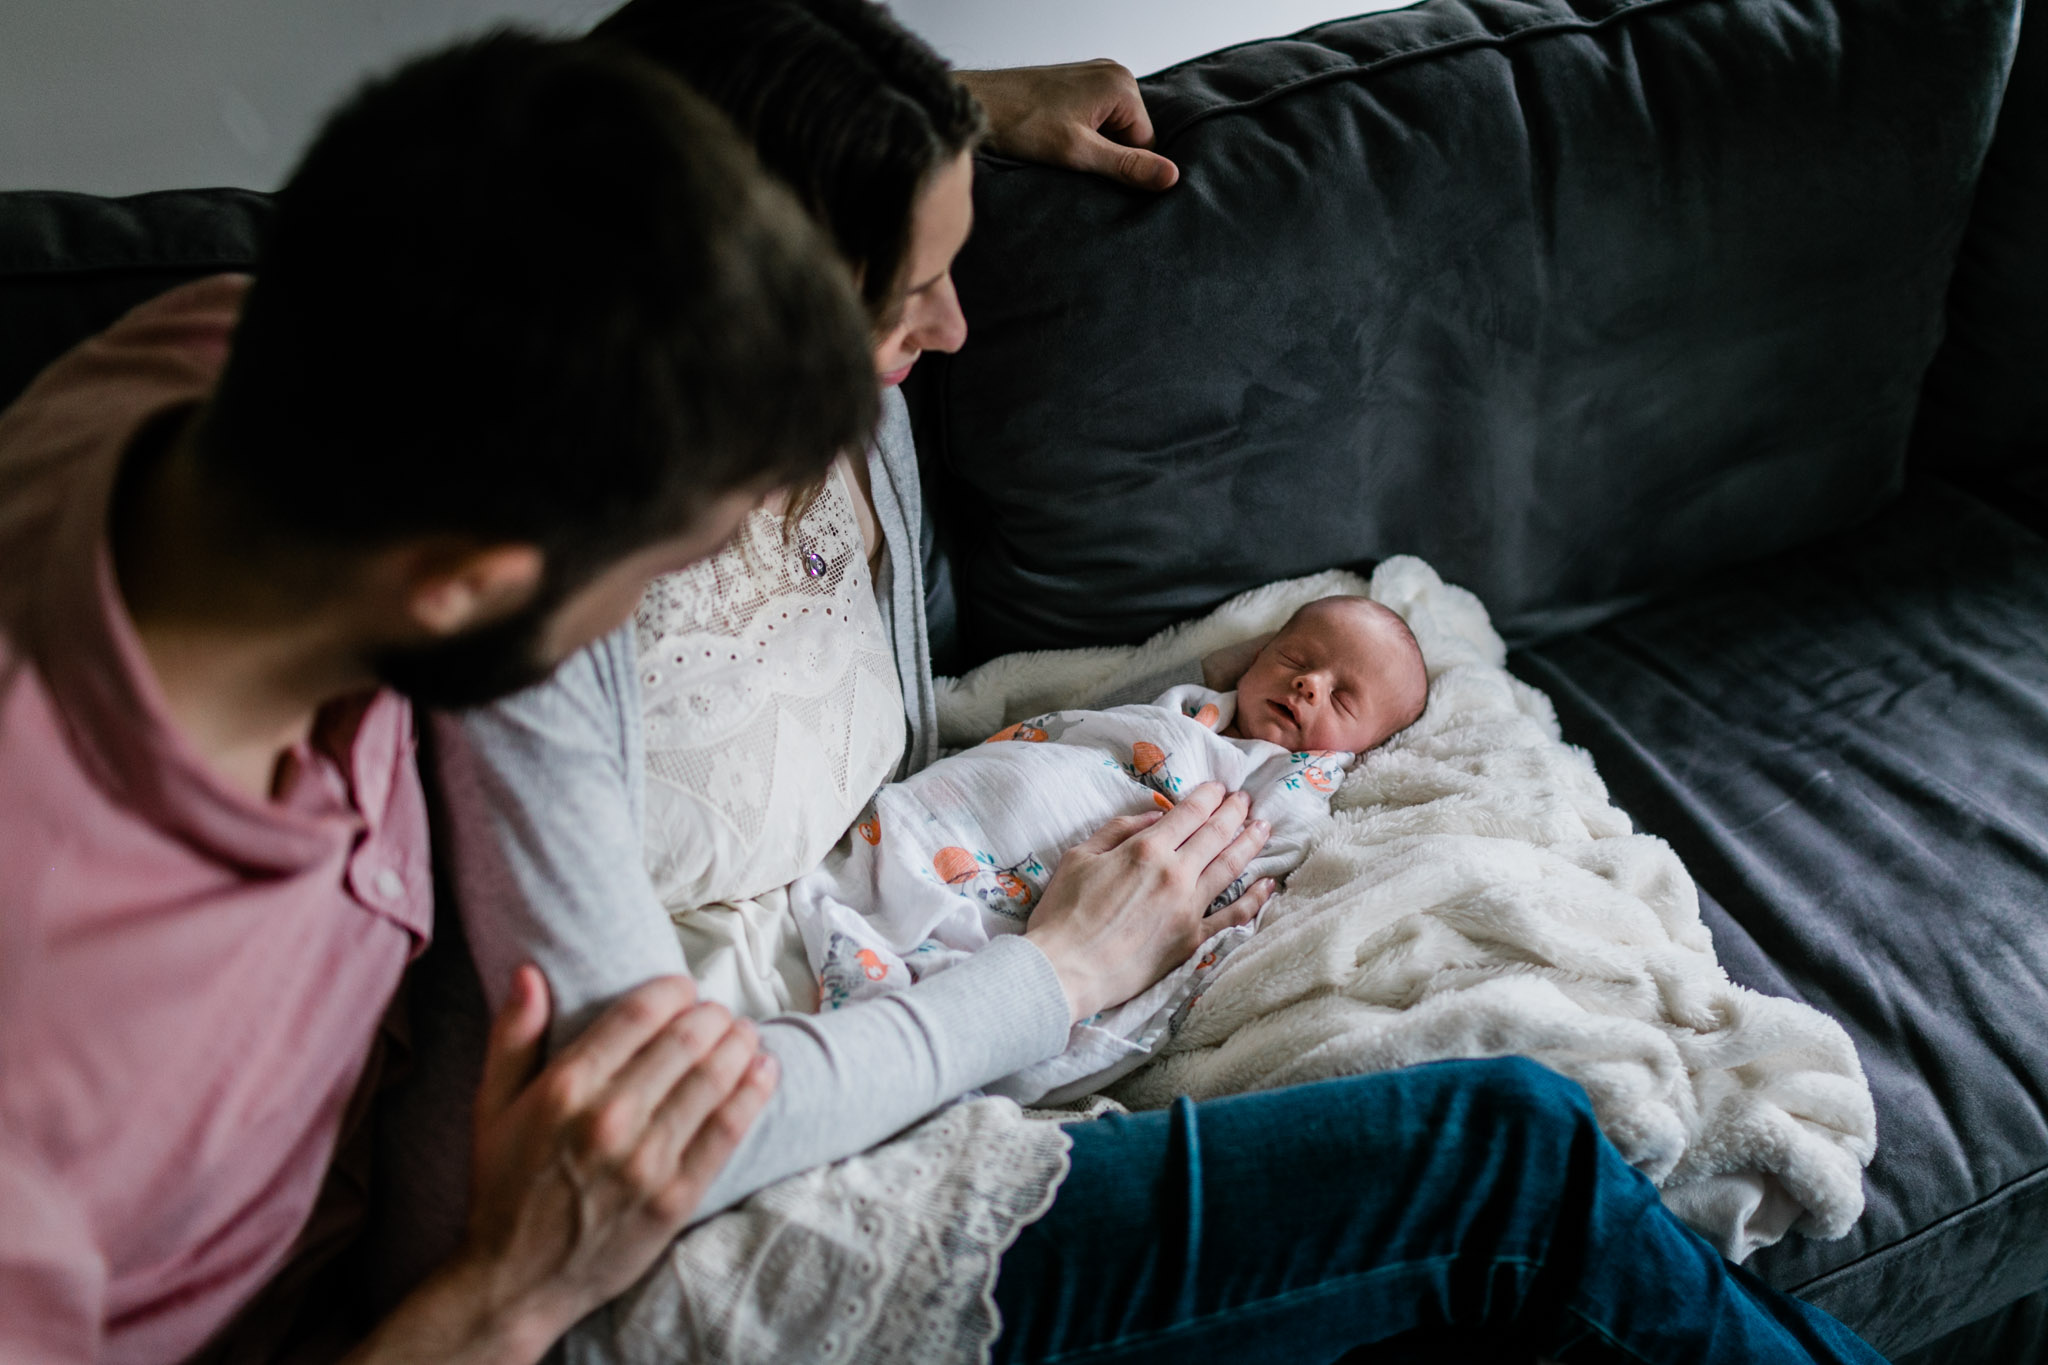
x,y
475,667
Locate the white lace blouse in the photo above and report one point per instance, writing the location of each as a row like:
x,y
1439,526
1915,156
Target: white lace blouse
x,y
769,701
772,710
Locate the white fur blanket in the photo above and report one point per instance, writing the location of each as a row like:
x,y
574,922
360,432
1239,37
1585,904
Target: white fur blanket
x,y
1480,896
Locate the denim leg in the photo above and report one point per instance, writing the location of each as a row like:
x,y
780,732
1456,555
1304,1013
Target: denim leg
x,y
1462,1201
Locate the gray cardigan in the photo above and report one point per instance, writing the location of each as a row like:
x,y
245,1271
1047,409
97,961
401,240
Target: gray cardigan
x,y
539,826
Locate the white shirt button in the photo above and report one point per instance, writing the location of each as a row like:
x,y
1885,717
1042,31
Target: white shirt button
x,y
389,885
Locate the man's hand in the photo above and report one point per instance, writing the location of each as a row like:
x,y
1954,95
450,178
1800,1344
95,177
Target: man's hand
x,y
1128,906
584,1172
1087,116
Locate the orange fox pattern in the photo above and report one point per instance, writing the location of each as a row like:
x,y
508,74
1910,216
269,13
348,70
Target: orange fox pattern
x,y
1148,769
1023,730
848,966
1319,772
1008,891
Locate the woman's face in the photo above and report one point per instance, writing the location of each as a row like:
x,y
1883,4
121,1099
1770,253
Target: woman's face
x,y
930,317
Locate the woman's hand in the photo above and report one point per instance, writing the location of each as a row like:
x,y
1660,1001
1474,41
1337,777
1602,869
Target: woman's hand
x,y
584,1172
1126,907
1087,116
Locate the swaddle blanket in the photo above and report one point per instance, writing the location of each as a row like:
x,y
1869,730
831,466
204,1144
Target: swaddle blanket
x,y
1476,895
961,851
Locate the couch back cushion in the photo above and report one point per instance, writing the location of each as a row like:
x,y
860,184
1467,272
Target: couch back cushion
x,y
1574,298
70,264
1984,416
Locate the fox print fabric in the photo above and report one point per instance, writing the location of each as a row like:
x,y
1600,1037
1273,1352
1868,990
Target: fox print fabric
x,y
954,855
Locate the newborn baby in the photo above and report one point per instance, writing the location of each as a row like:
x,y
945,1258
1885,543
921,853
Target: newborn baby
x,y
950,857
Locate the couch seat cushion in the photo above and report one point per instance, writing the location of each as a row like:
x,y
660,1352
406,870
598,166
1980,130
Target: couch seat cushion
x,y
1848,746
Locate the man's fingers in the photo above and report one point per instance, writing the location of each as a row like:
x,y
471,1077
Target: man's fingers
x,y
712,1144
621,1031
1122,113
1133,166
639,1087
694,1097
515,1043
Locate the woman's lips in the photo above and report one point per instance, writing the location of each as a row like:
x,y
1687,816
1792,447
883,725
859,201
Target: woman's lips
x,y
895,377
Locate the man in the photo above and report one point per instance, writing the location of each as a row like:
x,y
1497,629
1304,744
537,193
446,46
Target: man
x,y
506,287
524,336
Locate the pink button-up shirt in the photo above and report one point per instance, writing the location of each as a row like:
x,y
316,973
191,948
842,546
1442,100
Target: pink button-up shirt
x,y
190,979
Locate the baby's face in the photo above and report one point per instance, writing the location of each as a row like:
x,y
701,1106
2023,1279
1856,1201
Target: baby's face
x,y
1339,676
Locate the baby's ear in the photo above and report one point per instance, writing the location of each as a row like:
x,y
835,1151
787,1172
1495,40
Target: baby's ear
x,y
1223,668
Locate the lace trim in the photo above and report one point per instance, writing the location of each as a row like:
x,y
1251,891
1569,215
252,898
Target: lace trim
x,y
887,1258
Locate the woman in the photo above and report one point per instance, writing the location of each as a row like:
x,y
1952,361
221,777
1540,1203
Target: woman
x,y
1288,1226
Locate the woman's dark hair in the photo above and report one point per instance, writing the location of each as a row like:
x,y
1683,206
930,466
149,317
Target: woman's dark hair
x,y
847,106
531,290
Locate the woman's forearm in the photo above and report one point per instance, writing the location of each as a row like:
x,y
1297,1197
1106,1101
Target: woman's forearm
x,y
855,1076
543,832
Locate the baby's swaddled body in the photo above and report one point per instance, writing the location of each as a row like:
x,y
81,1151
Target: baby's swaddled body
x,y
954,855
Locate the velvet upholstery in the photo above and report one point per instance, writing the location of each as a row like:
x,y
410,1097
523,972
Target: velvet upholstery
x,y
1574,298
1984,416
72,263
1848,746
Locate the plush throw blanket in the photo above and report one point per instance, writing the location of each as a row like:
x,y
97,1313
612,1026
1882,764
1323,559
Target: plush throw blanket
x,y
1479,895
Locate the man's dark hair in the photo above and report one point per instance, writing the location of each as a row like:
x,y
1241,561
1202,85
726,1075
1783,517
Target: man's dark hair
x,y
850,108
527,290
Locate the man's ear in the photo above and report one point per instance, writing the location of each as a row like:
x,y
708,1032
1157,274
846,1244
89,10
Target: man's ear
x,y
451,590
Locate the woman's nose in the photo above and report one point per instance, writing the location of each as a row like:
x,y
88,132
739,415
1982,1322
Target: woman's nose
x,y
939,325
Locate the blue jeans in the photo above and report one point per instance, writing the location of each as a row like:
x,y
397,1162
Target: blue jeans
x,y
1459,1211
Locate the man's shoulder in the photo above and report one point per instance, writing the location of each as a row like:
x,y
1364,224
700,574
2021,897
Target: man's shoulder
x,y
40,784
176,340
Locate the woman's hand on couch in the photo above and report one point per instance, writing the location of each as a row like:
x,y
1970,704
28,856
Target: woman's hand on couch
x,y
583,1172
1087,116
1128,906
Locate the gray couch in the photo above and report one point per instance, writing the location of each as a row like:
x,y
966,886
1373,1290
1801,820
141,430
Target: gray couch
x,y
1706,339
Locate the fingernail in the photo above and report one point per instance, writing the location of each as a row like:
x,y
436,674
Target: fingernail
x,y
764,1066
1261,828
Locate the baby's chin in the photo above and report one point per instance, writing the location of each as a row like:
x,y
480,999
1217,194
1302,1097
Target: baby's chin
x,y
1250,724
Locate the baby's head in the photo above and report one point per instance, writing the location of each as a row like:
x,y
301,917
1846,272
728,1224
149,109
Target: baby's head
x,y
1344,673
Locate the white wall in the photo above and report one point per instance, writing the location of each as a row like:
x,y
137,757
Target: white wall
x,y
1144,35
120,96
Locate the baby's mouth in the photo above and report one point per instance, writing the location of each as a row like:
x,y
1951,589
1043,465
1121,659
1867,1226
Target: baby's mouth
x,y
1286,713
